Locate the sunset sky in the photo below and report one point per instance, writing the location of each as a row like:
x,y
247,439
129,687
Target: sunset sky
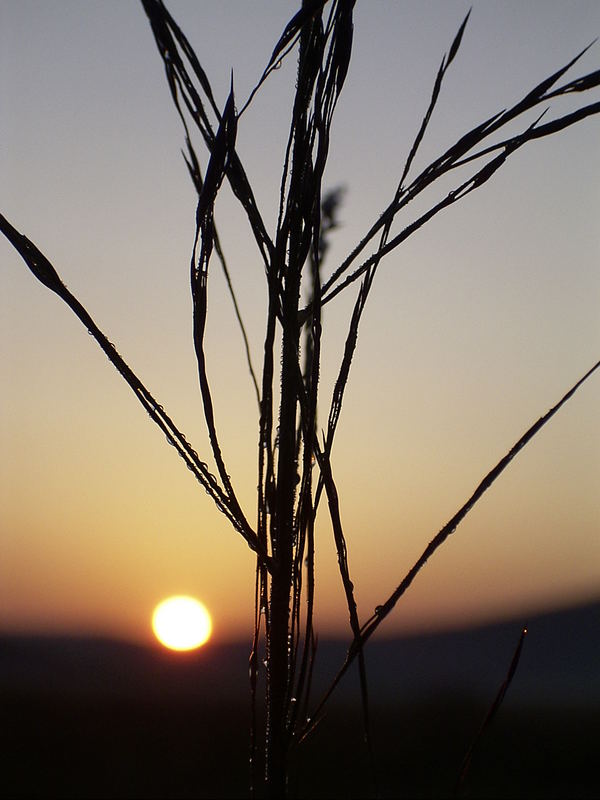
x,y
475,327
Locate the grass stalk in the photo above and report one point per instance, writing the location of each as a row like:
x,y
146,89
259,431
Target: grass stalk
x,y
294,468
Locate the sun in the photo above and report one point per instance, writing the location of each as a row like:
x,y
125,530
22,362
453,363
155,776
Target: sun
x,y
181,623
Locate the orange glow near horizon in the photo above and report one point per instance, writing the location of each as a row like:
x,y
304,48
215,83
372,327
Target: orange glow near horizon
x,y
181,623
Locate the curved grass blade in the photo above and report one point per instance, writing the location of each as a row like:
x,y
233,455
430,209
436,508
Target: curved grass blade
x,y
286,43
493,710
166,34
221,152
382,611
457,156
43,270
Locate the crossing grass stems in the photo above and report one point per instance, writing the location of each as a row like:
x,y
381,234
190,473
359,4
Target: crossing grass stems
x,y
290,489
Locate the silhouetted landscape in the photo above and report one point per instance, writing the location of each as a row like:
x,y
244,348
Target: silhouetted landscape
x,y
99,718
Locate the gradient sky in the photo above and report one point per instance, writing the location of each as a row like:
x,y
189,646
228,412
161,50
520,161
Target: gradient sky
x,y
476,326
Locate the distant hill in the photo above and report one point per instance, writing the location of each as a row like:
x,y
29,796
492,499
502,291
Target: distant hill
x,y
92,718
560,664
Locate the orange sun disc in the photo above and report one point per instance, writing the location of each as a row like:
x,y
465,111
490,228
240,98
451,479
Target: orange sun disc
x,y
181,623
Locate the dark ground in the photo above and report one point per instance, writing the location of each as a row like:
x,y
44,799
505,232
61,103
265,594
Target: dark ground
x,y
88,718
